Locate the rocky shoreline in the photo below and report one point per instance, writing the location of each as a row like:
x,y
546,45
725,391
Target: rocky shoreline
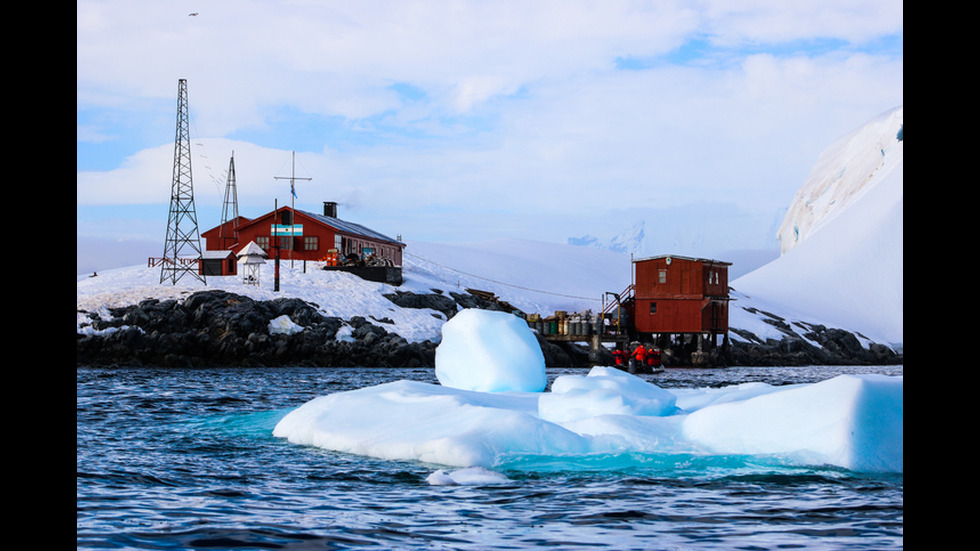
x,y
222,329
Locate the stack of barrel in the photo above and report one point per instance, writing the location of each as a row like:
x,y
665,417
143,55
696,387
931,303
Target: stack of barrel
x,y
561,323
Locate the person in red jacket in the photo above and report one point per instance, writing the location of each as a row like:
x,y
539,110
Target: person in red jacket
x,y
638,358
653,358
619,356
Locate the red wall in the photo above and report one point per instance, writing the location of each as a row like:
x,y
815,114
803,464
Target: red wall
x,y
318,237
691,297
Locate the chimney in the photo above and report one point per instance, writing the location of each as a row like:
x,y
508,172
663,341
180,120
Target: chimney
x,y
330,209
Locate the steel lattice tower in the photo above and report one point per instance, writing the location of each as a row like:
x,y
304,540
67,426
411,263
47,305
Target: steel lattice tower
x,y
182,233
230,209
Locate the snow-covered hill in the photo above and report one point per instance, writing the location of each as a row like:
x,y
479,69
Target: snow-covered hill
x,y
842,238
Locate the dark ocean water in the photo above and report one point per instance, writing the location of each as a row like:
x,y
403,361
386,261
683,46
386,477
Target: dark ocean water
x,y
185,459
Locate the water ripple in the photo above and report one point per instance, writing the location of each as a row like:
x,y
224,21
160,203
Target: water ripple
x,y
184,459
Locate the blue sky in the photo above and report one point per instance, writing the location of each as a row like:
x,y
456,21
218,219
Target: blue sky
x,y
467,120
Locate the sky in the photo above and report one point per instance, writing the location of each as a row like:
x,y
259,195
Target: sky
x,y
468,120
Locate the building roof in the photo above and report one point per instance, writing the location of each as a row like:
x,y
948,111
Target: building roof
x,y
252,250
234,223
215,255
690,258
347,227
342,226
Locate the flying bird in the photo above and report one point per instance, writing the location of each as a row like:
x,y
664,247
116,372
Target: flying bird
x,y
191,14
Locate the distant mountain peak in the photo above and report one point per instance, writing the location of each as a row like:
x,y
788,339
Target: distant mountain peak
x,y
629,241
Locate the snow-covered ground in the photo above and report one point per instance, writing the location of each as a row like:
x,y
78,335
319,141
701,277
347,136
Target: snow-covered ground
x,y
844,267
533,276
842,239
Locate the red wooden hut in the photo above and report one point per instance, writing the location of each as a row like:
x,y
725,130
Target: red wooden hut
x,y
677,294
218,263
681,303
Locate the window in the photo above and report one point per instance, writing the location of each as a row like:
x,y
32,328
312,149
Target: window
x,y
286,243
653,307
662,276
262,242
311,243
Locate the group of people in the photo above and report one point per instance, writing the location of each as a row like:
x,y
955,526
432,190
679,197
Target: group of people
x,y
640,358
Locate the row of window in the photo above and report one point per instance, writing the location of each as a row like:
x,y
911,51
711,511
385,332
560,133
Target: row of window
x,y
713,277
308,243
312,243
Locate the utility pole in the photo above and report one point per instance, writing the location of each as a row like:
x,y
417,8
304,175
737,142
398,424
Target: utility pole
x,y
182,232
292,190
275,239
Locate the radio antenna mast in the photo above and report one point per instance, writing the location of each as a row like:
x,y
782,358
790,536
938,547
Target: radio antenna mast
x,y
292,191
182,232
230,210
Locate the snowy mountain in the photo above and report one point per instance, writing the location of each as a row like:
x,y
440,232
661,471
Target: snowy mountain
x,y
846,170
842,238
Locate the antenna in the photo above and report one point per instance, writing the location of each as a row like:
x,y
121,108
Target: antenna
x,y
292,179
230,209
182,233
292,190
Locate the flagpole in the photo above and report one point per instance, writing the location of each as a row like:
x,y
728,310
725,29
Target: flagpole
x,y
292,208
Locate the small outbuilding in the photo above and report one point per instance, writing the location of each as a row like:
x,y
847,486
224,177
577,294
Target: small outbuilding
x,y
218,263
251,257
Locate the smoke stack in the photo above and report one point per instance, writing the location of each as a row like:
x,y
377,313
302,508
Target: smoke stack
x,y
330,209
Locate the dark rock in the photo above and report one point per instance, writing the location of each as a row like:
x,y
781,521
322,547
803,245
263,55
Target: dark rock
x,y
432,301
219,328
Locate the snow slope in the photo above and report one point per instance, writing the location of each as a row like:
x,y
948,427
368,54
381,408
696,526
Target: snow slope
x,y
842,239
533,276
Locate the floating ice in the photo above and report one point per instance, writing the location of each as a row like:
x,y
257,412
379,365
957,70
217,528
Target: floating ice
x,y
489,351
606,390
490,411
849,421
853,422
469,476
430,423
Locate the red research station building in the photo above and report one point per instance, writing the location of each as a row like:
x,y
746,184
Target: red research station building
x,y
676,294
681,300
303,235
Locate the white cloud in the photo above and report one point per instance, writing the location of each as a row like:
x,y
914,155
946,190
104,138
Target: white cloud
x,y
467,104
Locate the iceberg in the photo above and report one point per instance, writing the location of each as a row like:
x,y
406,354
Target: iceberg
x,y
849,421
492,411
853,422
489,351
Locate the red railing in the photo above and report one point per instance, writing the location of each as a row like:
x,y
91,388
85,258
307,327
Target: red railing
x,y
154,262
